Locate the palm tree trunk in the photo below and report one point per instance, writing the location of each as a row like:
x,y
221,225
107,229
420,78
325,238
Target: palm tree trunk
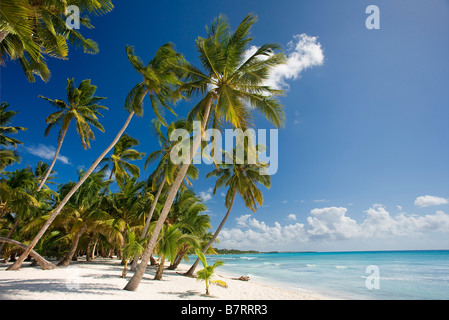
x,y
147,223
68,258
61,139
160,270
18,263
45,265
214,237
178,258
138,275
125,269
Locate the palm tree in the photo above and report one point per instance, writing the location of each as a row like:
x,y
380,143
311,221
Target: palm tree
x,y
8,156
16,194
159,81
19,202
123,153
231,88
241,179
129,205
83,213
31,29
187,211
41,170
207,273
133,247
170,241
83,108
166,170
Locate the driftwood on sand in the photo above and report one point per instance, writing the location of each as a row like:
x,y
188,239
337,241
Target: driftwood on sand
x,y
241,278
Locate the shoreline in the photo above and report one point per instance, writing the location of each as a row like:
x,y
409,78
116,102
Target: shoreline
x,y
100,279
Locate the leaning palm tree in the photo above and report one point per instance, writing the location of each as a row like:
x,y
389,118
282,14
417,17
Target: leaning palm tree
x,y
123,153
82,107
242,179
159,83
165,172
231,88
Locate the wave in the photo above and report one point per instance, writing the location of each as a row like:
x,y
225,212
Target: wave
x,y
311,265
271,264
341,267
248,258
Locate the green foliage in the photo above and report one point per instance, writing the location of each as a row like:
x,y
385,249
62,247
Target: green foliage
x,y
81,106
206,274
123,153
31,30
234,86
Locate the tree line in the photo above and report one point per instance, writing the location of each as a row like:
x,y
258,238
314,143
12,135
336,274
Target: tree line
x,y
158,215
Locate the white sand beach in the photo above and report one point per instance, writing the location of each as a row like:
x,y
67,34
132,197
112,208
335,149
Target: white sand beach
x,y
100,279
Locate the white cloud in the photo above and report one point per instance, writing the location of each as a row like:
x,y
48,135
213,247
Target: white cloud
x,y
206,195
302,52
47,153
291,216
427,201
332,223
329,226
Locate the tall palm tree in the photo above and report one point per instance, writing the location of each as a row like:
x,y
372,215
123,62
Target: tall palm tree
x,y
123,153
29,30
231,88
240,179
165,171
82,107
8,156
159,82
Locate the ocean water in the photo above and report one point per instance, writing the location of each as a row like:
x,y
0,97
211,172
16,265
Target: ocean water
x,y
348,275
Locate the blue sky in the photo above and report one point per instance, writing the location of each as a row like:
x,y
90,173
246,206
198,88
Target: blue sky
x,y
366,136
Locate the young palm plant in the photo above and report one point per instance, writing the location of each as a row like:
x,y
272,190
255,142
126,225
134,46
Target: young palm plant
x,y
83,108
231,88
159,82
206,274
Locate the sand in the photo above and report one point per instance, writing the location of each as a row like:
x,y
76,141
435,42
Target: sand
x,y
100,279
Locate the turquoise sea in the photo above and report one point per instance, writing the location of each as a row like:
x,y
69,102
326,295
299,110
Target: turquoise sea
x,y
390,274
